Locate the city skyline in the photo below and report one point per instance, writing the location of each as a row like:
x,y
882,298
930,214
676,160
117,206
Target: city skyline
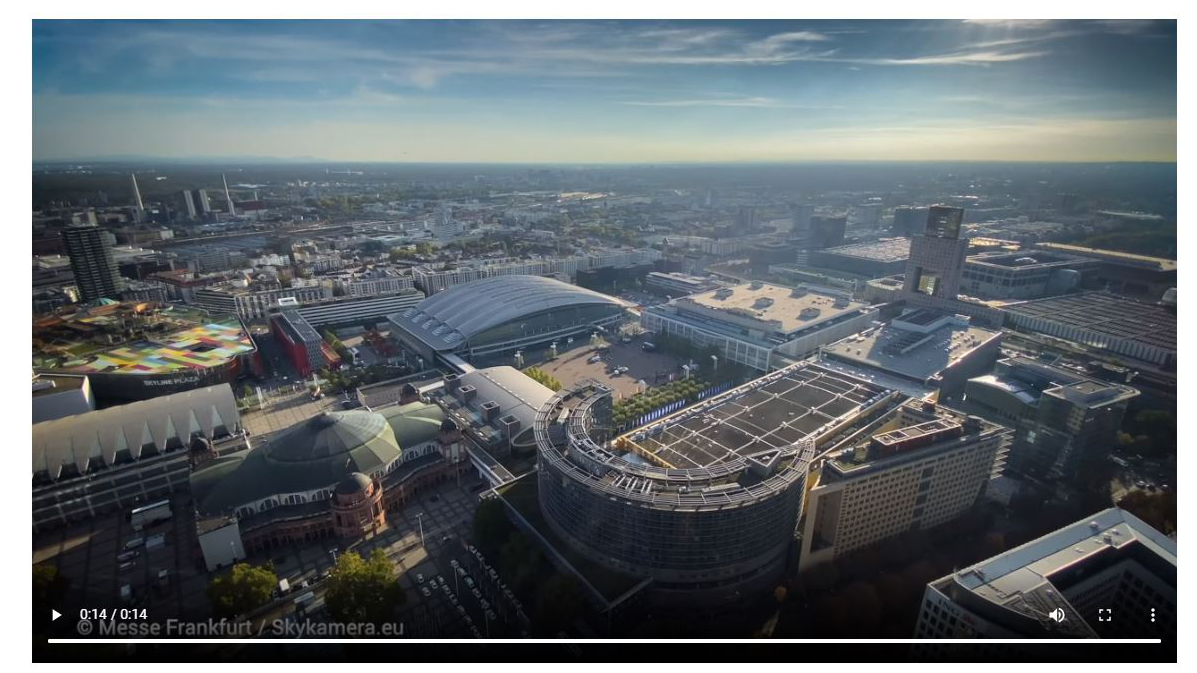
x,y
607,91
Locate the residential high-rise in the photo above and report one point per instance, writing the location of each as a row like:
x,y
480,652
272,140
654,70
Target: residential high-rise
x,y
922,466
189,201
203,201
1062,419
96,273
1106,576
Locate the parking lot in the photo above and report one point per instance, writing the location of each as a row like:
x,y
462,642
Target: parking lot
x,y
653,368
86,554
458,593
446,517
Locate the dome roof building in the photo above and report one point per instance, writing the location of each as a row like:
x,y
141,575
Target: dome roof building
x,y
300,464
501,313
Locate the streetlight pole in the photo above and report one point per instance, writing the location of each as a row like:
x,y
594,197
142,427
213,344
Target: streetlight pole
x,y
420,520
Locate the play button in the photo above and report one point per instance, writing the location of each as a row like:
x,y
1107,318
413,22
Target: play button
x,y
54,614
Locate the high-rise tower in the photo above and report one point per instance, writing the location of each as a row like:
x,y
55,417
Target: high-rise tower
x,y
96,273
189,201
937,257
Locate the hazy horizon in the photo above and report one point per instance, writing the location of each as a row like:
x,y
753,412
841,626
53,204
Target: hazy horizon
x,y
605,92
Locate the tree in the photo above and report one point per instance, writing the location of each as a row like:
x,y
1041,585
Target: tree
x,y
864,604
543,378
241,590
49,587
491,526
1158,510
558,604
831,615
363,590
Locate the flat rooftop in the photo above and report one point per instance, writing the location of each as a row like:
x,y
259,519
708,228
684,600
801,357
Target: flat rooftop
x,y
883,250
774,304
49,384
1024,578
754,418
1156,263
910,354
1106,314
198,346
1026,259
897,439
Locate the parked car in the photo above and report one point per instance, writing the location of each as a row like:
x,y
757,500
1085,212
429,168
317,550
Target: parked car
x,y
128,556
134,543
469,582
425,591
419,578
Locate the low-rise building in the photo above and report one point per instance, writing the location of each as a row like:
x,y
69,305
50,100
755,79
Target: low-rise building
x,y
254,300
300,342
1063,418
1023,275
1106,576
752,322
876,259
60,395
679,284
374,281
1105,321
125,456
919,352
335,475
357,310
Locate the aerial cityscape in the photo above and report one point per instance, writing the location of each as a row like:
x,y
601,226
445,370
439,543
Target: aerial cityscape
x,y
560,331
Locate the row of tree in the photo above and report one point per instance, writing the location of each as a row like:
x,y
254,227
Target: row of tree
x,y
357,591
543,378
634,406
557,600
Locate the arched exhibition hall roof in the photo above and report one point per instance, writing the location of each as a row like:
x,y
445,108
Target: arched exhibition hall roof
x,y
448,318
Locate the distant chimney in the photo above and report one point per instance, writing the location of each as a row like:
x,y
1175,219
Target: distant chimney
x,y
408,394
452,381
467,393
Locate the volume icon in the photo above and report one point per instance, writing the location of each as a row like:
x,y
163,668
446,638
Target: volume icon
x,y
1057,615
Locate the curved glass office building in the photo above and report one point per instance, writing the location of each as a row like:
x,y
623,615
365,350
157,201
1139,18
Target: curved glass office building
x,y
705,502
499,314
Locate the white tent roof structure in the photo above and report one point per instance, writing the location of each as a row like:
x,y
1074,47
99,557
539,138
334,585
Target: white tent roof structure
x,y
92,440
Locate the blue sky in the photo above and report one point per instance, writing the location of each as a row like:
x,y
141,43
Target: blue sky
x,y
607,91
